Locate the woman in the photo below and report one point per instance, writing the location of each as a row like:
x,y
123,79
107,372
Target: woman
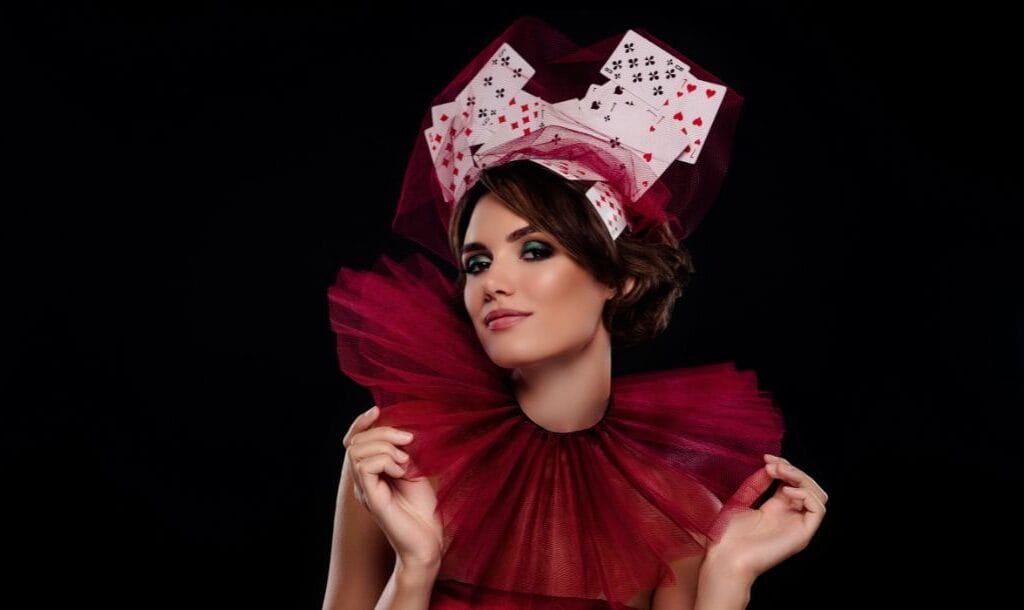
x,y
533,478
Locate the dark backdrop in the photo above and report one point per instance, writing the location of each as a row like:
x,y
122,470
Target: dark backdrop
x,y
182,185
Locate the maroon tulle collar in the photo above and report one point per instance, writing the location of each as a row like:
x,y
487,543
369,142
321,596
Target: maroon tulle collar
x,y
593,514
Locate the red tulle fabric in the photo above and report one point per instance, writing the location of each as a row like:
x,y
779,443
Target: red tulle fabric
x,y
681,196
533,518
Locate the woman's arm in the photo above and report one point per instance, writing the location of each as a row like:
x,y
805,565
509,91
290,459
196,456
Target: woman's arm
x,y
753,541
380,509
720,587
703,583
409,587
361,557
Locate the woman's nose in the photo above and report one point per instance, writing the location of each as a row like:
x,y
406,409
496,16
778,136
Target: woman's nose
x,y
497,280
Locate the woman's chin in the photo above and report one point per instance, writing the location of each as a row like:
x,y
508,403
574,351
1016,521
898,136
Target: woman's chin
x,y
509,363
510,358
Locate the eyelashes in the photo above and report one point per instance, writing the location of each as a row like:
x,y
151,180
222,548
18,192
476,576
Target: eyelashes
x,y
533,250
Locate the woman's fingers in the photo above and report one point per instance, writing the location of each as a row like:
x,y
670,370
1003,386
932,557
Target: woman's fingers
x,y
368,471
372,451
806,502
392,435
362,422
364,449
781,468
360,431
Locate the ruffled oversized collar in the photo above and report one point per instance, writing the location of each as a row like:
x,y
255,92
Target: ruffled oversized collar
x,y
594,514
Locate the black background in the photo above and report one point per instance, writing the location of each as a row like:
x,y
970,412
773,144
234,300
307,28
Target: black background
x,y
183,183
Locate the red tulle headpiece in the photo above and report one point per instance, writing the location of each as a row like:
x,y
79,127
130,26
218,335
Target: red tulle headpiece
x,y
649,127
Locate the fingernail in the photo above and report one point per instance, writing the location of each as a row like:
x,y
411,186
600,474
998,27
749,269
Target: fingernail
x,y
402,455
407,436
373,410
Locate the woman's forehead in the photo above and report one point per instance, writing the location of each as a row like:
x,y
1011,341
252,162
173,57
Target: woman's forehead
x,y
492,216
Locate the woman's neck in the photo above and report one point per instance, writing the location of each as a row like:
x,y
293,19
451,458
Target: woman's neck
x,y
568,393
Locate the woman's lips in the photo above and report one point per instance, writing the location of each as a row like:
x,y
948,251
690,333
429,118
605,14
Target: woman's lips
x,y
506,321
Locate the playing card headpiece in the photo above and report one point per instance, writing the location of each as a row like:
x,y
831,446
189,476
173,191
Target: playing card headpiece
x,y
643,136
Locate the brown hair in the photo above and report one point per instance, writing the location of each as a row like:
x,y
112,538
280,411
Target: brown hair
x,y
660,264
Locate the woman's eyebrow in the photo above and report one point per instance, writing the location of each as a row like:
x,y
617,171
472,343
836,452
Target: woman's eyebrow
x,y
514,235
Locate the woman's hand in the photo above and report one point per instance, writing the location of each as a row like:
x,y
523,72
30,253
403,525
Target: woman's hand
x,y
755,540
403,508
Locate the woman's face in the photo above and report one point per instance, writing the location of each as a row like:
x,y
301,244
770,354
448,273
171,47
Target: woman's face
x,y
510,267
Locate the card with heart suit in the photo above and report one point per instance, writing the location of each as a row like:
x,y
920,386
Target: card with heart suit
x,y
665,82
629,120
566,114
693,111
652,108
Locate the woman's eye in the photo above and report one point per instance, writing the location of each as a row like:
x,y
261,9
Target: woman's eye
x,y
532,251
471,266
536,249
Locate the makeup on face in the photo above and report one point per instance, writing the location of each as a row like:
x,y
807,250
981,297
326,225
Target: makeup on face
x,y
506,322
529,300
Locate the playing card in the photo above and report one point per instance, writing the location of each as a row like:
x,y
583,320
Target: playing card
x,y
508,59
437,133
441,114
505,74
569,169
693,112
566,115
520,116
609,206
435,141
450,150
563,120
609,103
566,111
644,68
630,121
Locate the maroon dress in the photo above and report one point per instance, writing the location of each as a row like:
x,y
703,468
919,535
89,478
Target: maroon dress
x,y
534,518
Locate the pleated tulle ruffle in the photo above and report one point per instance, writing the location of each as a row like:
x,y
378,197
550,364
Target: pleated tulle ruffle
x,y
534,517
